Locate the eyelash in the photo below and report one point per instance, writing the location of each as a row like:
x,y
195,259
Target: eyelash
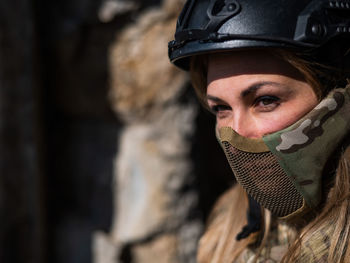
x,y
270,99
219,107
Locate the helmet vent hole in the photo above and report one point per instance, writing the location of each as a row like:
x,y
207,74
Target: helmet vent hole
x,y
218,6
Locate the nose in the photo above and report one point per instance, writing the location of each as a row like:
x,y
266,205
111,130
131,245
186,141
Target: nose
x,y
244,125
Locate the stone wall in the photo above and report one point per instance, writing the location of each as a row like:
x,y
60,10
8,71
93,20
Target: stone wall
x,y
154,190
122,162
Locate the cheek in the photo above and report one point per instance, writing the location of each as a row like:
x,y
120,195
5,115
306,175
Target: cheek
x,y
286,116
273,124
223,122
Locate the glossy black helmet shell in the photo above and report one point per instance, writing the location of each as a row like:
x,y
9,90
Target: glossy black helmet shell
x,y
207,26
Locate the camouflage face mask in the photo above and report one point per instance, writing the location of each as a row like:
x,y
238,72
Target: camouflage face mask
x,y
283,171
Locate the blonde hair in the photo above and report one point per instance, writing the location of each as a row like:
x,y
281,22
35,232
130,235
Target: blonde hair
x,y
228,217
219,243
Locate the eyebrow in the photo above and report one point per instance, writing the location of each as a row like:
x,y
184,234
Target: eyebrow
x,y
257,86
253,88
215,99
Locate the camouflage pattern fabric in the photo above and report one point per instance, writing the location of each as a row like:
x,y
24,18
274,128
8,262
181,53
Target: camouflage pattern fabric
x,y
316,249
280,238
303,149
278,241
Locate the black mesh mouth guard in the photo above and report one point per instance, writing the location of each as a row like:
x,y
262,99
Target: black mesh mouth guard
x,y
259,173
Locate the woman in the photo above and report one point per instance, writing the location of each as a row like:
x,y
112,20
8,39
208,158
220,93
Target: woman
x,y
275,74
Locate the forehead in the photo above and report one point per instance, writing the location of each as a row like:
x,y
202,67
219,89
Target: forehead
x,y
223,65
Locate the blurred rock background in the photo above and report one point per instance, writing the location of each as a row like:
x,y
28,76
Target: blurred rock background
x,y
105,155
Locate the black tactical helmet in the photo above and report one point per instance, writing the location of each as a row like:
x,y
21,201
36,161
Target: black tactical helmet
x,y
205,26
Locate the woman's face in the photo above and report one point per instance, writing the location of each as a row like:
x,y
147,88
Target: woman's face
x,y
256,93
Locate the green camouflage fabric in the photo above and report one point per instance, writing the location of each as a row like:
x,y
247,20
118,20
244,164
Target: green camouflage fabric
x,y
279,240
316,248
303,148
280,237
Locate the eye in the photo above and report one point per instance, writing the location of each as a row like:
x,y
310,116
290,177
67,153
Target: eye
x,y
219,109
267,103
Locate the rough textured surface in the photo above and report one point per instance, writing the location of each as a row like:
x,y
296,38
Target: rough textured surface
x,y
103,248
142,79
155,194
105,156
112,8
163,246
152,168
